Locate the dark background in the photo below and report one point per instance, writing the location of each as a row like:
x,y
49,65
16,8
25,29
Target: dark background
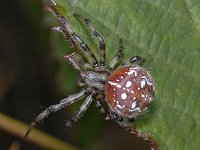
x,y
34,74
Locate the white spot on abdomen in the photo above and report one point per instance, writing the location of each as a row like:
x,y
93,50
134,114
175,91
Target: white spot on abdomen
x,y
149,83
119,106
131,71
134,108
133,105
124,96
128,84
143,83
115,84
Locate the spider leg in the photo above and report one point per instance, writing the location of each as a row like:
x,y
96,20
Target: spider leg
x,y
100,38
72,58
116,117
100,107
99,100
103,108
69,32
53,108
117,57
66,35
135,59
79,65
81,111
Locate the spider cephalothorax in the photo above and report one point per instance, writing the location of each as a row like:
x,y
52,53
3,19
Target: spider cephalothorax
x,y
122,92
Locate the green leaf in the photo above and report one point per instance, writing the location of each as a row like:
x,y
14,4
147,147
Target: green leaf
x,y
167,34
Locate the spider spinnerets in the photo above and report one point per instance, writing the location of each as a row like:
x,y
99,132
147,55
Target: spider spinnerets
x,y
123,93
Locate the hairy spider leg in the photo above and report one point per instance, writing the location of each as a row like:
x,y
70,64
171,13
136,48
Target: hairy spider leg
x,y
117,57
73,35
53,108
134,59
81,111
98,103
99,106
100,38
71,57
66,36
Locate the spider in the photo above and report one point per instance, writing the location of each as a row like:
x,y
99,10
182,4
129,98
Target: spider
x,y
122,92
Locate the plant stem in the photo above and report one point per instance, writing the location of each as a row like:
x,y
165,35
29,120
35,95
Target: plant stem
x,y
37,137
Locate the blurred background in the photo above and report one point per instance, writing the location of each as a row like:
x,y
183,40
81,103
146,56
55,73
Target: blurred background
x,y
34,75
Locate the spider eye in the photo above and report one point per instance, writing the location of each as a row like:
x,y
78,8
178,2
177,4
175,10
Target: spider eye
x,y
129,91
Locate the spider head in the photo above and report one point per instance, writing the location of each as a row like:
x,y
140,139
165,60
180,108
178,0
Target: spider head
x,y
95,79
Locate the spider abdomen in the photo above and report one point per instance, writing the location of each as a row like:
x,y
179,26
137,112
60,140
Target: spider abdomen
x,y
129,91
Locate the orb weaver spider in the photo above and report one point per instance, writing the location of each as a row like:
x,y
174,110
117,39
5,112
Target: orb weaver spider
x,y
123,93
